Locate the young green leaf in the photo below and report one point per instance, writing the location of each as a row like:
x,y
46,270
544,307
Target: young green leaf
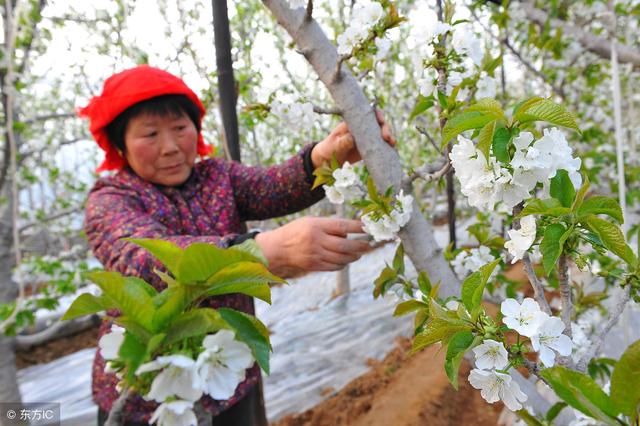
x,y
485,138
551,246
166,252
582,192
562,188
462,122
251,331
547,207
458,345
248,278
599,204
424,283
398,260
611,237
193,323
132,352
549,111
582,393
84,304
473,285
201,260
409,306
424,103
625,382
500,144
387,277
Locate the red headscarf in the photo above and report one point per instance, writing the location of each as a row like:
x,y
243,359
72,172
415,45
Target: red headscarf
x,y
126,89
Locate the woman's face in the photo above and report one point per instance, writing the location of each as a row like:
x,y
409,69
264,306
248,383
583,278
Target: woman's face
x,y
161,150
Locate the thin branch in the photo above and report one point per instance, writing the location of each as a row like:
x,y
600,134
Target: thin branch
x,y
56,331
614,316
428,172
565,293
116,415
55,216
424,132
46,117
328,111
505,41
538,288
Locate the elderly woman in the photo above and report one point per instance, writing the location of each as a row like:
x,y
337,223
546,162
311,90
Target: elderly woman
x,y
148,122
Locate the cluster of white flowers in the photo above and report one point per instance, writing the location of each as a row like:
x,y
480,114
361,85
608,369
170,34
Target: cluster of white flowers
x,y
472,260
295,4
217,371
466,42
386,226
486,86
544,331
295,115
486,183
346,186
521,239
383,46
365,16
494,385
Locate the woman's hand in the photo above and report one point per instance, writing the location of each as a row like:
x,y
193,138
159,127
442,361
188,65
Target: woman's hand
x,y
311,244
341,141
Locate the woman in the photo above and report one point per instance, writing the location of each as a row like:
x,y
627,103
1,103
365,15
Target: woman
x,y
148,122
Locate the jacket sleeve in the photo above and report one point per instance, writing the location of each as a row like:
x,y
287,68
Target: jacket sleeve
x,y
113,214
265,192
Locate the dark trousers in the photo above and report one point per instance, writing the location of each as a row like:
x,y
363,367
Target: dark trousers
x,y
249,411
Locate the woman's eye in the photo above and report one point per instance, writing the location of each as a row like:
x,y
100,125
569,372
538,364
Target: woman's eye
x,y
150,134
181,128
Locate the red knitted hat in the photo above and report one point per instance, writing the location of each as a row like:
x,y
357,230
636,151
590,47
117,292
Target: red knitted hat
x,y
126,89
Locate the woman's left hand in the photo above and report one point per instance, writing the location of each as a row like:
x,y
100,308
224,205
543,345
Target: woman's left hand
x,y
340,141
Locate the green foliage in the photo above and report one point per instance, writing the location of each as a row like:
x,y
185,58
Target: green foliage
x,y
473,285
599,204
464,121
582,393
409,306
538,109
252,332
548,207
500,145
552,244
625,382
611,237
441,326
562,188
459,344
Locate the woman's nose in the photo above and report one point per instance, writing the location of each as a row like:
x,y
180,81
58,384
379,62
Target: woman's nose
x,y
168,145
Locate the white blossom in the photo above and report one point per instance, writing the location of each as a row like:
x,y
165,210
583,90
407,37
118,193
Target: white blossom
x,y
491,354
365,16
486,86
524,318
178,377
386,226
346,186
495,386
174,413
465,42
548,338
222,364
426,82
295,115
110,343
383,46
521,239
472,260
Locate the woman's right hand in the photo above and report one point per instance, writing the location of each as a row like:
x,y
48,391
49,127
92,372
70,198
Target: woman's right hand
x,y
311,244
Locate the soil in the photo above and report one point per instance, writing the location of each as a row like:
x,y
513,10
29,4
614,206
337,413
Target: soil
x,y
402,390
58,348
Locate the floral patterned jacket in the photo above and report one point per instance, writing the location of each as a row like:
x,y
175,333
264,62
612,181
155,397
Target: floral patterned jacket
x,y
209,207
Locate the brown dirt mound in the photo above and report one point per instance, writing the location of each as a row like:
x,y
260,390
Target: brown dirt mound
x,y
402,390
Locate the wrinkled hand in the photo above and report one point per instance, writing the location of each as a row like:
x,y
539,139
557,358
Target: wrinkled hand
x,y
341,141
311,244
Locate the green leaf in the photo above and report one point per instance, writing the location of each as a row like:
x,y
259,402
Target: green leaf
x,y
141,284
166,252
169,304
582,393
549,111
84,304
555,410
488,106
524,105
562,188
141,333
132,299
500,145
528,418
201,260
132,352
250,246
485,138
599,204
248,278
462,122
196,322
440,327
398,260
442,100
582,192
551,246
611,237
155,342
458,345
408,307
424,103
251,331
625,382
424,283
547,207
387,277
473,285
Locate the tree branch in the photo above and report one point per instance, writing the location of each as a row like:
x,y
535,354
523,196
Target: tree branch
x,y
538,288
601,46
565,293
328,111
428,172
116,415
54,216
614,316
